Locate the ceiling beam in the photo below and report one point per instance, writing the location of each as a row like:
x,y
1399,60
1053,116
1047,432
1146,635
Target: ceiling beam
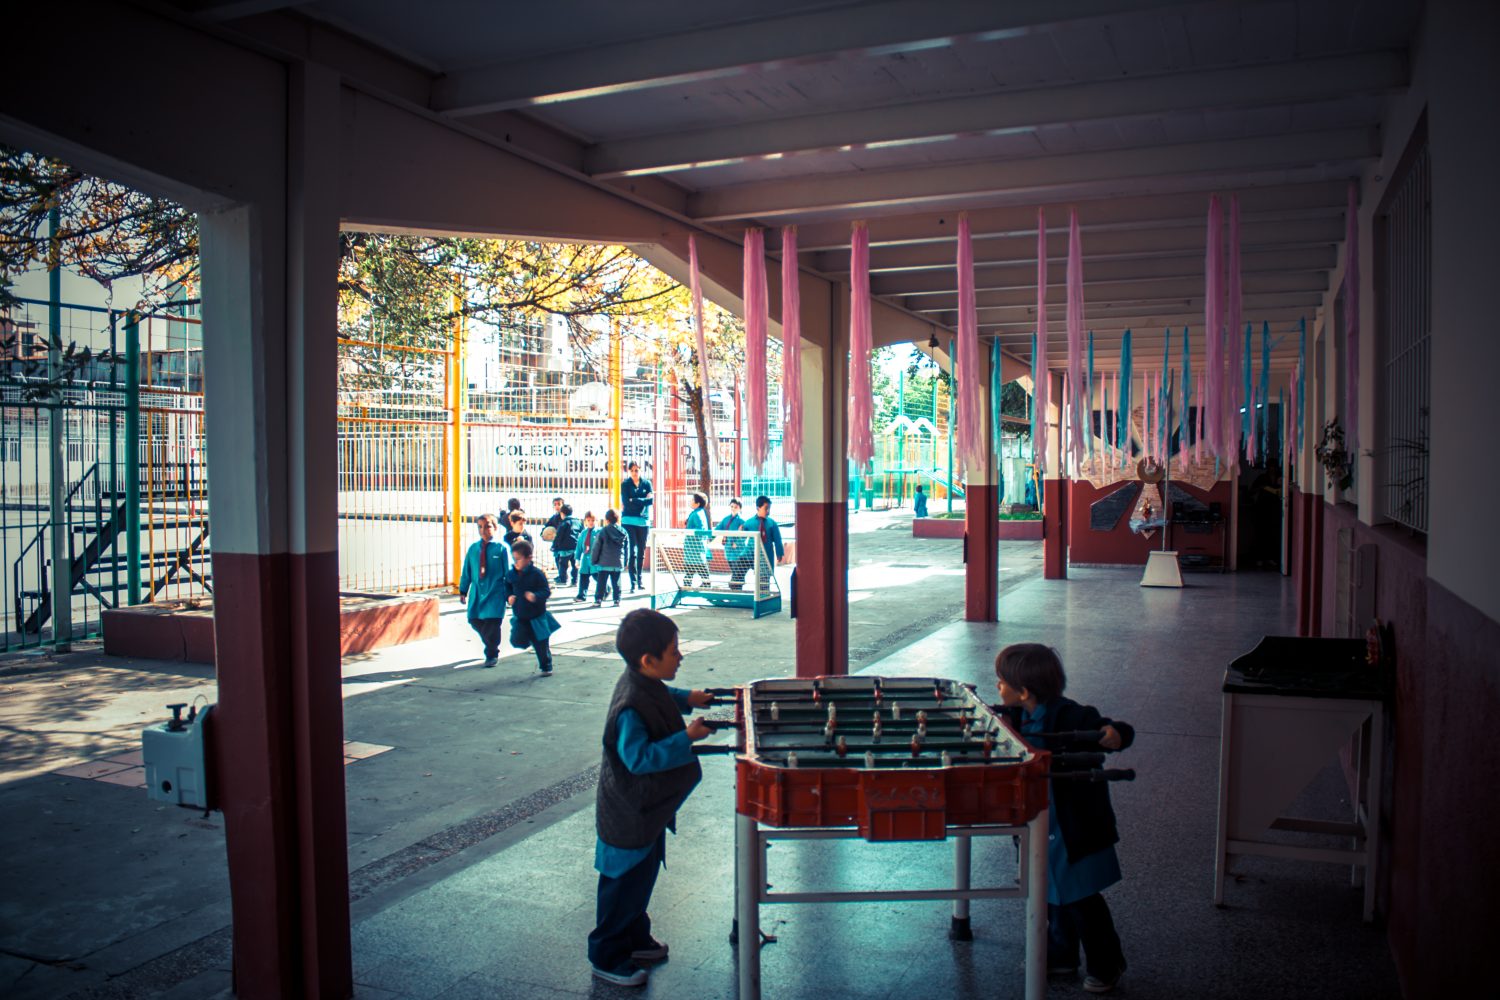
x,y
1307,301
1102,293
1273,203
1149,329
914,286
1003,111
852,191
883,28
1175,242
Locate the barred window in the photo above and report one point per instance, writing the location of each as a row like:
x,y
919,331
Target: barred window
x,y
1403,232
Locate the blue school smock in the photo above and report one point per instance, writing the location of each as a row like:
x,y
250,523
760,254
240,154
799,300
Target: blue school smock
x,y
489,590
919,505
734,548
1068,882
694,547
641,756
774,549
581,551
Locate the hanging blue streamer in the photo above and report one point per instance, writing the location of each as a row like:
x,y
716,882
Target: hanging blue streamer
x,y
1125,377
1301,381
1162,436
1265,385
996,424
1088,411
1249,408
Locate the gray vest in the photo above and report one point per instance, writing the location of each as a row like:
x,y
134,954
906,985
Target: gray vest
x,y
633,809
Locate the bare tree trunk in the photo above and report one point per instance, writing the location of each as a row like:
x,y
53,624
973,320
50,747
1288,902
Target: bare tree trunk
x,y
696,401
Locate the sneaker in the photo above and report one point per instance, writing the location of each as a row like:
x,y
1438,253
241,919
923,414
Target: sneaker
x,y
598,604
491,661
617,602
625,975
546,671
653,952
1093,984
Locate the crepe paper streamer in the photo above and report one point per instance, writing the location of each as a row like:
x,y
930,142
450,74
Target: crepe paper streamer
x,y
1351,318
696,286
861,404
1165,432
969,429
997,426
1301,397
757,325
1184,416
1265,388
1064,413
1032,404
1088,413
1124,412
1075,329
1042,388
1247,434
1213,318
791,352
1109,446
1234,314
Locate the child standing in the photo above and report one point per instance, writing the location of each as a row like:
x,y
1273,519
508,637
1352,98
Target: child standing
x,y
1081,859
565,542
486,567
608,555
581,553
919,502
648,771
695,546
531,624
517,530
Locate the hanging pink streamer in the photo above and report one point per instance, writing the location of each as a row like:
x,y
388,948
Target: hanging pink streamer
x,y
1351,318
1065,426
757,325
1213,342
861,405
1075,332
791,351
1150,416
968,432
1042,390
1234,320
696,286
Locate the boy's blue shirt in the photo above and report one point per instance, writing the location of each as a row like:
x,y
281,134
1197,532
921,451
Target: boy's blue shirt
x,y
489,590
774,549
642,755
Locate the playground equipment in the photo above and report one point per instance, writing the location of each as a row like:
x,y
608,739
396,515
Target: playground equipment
x,y
726,569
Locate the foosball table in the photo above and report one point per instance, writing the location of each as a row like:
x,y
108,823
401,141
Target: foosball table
x,y
887,759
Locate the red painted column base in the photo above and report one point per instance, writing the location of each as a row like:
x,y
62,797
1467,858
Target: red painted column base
x,y
1054,529
276,745
822,589
982,551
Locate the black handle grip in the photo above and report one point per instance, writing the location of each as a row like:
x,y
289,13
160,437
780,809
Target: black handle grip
x,y
717,724
709,749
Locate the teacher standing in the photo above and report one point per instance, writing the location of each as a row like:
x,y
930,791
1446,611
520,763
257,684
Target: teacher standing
x,y
635,518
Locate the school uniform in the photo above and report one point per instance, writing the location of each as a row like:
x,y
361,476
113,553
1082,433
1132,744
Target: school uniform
x,y
585,561
919,504
531,624
564,543
770,540
1081,859
482,582
695,547
635,518
610,552
736,551
648,770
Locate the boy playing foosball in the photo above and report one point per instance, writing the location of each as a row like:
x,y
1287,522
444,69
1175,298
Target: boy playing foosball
x,y
648,771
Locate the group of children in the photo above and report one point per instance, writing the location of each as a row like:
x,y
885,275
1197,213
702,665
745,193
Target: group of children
x,y
502,576
739,552
649,770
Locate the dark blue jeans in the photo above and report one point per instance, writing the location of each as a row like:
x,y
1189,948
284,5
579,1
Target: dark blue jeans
x,y
564,560
606,578
623,924
489,632
1085,922
583,584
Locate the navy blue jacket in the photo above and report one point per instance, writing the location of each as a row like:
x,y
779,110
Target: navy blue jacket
x,y
534,580
1084,815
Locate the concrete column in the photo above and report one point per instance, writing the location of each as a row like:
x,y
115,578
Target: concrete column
x,y
822,493
270,306
982,511
1055,490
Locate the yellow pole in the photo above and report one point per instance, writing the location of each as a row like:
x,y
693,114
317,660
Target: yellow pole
x,y
457,400
616,406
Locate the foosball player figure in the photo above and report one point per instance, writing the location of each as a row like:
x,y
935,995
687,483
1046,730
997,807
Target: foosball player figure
x,y
648,771
1081,859
531,624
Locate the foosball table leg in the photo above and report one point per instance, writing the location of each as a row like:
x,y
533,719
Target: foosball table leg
x,y
1036,907
959,929
749,880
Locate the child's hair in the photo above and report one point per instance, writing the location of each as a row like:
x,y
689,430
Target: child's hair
x,y
512,504
487,517
698,500
610,516
643,632
567,510
521,548
735,502
557,499
632,465
762,501
1032,667
517,517
588,515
